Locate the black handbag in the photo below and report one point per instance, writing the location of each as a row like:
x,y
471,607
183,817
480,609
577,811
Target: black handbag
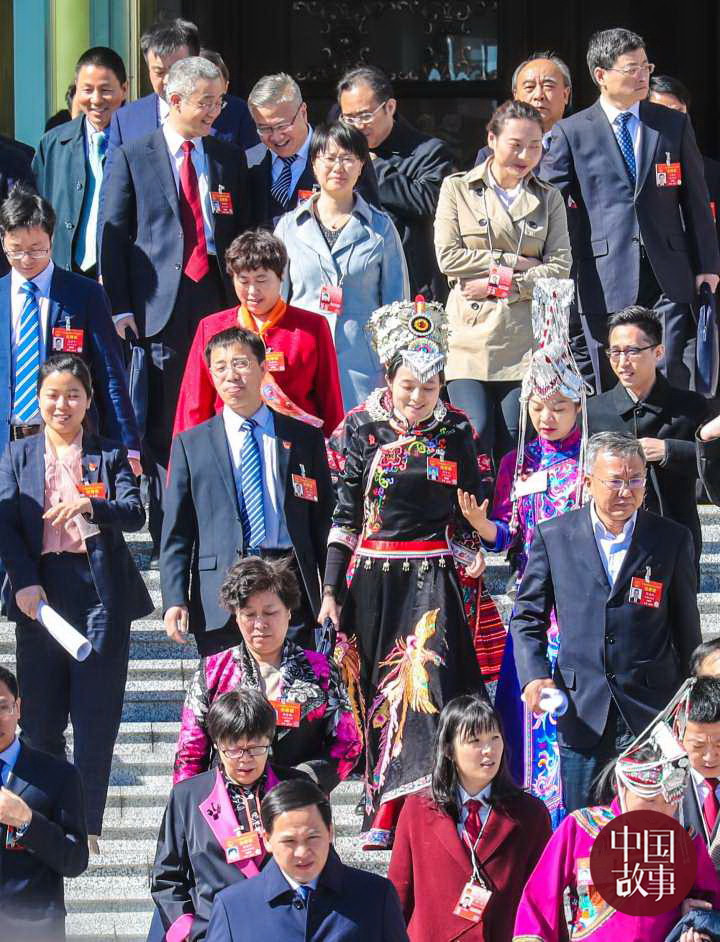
x,y
707,354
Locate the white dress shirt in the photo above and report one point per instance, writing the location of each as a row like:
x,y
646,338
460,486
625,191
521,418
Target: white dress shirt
x,y
483,796
634,124
507,197
175,142
276,532
296,168
17,302
163,110
612,547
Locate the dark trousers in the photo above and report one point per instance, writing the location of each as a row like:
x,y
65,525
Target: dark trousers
x,y
54,686
579,768
167,354
493,409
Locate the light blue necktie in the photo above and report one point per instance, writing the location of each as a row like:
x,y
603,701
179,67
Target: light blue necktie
x,y
281,188
86,242
252,513
624,139
303,891
27,364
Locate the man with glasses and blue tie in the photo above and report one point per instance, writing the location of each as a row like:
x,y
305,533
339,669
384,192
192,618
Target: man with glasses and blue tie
x,y
249,481
623,585
641,228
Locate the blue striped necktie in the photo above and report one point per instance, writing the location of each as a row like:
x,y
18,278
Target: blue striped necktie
x,y
25,400
281,187
252,513
625,141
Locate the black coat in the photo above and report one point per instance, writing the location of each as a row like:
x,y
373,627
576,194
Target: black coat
x,y
410,166
669,414
15,159
708,459
611,647
53,847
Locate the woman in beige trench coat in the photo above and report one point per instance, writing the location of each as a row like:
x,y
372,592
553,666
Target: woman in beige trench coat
x,y
497,216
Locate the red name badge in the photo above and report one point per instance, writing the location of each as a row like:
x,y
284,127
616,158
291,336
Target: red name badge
x,y
444,472
473,900
304,195
645,592
668,174
287,712
304,488
11,839
275,361
65,340
242,847
499,281
713,210
331,299
221,203
92,490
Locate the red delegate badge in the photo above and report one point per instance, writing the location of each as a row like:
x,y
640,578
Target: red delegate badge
x,y
92,490
287,712
444,472
331,299
242,847
304,488
645,592
65,340
275,361
473,900
499,281
221,203
668,174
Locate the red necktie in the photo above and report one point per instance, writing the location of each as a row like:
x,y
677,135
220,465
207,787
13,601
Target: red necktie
x,y
473,824
711,805
195,257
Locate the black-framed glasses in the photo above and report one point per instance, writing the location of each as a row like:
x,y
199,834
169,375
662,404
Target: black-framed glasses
x,y
266,130
615,353
254,751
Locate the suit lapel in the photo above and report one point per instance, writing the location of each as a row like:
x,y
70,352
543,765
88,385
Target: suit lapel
x,y
91,460
77,169
36,478
589,549
159,157
608,141
445,830
648,146
55,308
217,810
637,555
18,780
498,828
284,449
223,458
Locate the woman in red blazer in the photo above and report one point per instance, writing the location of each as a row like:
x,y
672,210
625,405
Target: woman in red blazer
x,y
473,838
301,355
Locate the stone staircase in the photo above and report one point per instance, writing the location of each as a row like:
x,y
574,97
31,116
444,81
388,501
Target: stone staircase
x,y
111,899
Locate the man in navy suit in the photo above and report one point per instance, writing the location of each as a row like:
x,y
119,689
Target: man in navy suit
x,y
305,892
43,837
174,201
69,162
74,317
641,230
15,165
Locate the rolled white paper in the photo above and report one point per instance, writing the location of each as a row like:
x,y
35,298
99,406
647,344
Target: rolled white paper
x,y
553,700
63,632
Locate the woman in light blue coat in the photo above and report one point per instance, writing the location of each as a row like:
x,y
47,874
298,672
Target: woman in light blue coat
x,y
345,256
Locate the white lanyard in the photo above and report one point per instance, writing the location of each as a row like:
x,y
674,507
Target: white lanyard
x,y
476,876
489,231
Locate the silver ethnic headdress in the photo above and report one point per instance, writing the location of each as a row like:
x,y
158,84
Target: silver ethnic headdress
x,y
656,763
417,330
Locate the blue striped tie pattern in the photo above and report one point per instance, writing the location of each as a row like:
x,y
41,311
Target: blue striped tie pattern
x,y
625,141
25,400
281,187
252,513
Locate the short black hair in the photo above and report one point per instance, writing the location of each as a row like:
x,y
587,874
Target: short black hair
x,y
67,363
25,209
343,136
509,110
607,45
165,36
69,95
367,75
243,713
10,680
212,56
253,574
104,57
254,249
226,338
667,85
291,795
704,701
638,316
703,650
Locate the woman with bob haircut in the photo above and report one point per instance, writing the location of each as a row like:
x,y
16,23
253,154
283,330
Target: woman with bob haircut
x,y
300,356
346,257
474,835
316,729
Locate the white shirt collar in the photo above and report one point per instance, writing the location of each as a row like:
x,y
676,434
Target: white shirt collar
x,y
483,795
175,141
9,755
90,129
301,154
612,112
294,883
42,280
233,421
601,530
163,110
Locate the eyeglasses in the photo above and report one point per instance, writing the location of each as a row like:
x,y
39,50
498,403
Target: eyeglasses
x,y
360,120
614,353
346,161
617,484
248,619
237,365
7,709
208,105
635,70
266,130
35,255
254,751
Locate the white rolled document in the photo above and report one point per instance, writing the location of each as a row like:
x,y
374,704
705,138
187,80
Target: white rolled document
x,y
63,632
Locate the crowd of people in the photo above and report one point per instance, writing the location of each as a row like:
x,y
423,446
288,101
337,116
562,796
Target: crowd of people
x,y
337,370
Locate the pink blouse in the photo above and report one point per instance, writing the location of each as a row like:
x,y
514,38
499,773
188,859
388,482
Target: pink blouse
x,y
62,475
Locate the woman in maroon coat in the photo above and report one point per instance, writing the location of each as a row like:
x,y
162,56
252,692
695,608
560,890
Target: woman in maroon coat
x,y
464,849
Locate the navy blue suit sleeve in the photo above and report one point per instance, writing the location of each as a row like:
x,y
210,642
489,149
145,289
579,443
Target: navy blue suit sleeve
x,y
178,531
117,225
695,202
60,841
19,564
218,929
530,619
125,509
393,920
117,417
557,166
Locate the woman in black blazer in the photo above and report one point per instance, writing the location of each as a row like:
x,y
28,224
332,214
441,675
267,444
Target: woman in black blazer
x,y
66,495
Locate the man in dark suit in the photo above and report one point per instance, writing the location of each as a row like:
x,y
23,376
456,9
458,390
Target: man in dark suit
x,y
305,893
700,806
662,417
69,162
72,315
543,81
623,584
173,203
43,837
281,174
641,230
409,166
15,165
248,481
